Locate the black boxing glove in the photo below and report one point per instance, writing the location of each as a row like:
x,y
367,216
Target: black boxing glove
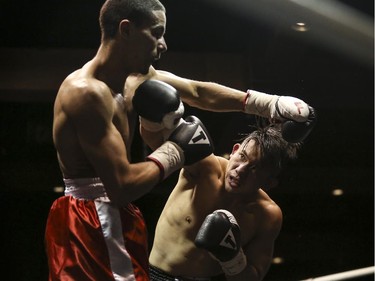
x,y
294,132
194,140
187,144
158,105
220,235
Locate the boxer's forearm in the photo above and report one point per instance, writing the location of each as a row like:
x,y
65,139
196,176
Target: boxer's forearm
x,y
215,97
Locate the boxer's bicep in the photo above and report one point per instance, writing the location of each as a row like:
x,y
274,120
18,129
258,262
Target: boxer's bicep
x,y
186,87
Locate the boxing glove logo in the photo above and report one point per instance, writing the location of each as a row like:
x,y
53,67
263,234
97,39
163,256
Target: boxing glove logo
x,y
199,137
229,241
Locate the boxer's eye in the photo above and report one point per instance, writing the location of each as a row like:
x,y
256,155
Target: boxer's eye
x,y
158,32
243,157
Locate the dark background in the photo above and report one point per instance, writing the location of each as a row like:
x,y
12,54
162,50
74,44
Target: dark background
x,y
322,234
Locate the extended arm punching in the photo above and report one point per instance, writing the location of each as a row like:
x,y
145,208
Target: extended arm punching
x,y
292,111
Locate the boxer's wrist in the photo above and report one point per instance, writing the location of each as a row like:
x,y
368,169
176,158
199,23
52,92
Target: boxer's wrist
x,y
168,157
235,265
260,104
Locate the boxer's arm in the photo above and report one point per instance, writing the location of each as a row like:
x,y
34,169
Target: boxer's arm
x,y
300,118
219,98
203,95
91,113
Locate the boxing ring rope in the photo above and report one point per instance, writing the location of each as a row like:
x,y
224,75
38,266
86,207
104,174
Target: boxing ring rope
x,y
345,275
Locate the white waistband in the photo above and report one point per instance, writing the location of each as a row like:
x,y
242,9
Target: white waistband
x,y
85,188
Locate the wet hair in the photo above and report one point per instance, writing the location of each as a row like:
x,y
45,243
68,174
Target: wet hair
x,y
275,152
137,11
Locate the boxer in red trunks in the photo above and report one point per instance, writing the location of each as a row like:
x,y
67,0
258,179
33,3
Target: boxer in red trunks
x,y
94,232
100,241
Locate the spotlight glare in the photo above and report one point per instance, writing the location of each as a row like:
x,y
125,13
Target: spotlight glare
x,y
277,260
300,26
337,192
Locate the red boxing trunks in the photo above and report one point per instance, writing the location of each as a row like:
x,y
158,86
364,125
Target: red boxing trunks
x,y
87,238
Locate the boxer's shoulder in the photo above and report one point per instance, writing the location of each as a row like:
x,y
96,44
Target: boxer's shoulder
x,y
78,93
210,171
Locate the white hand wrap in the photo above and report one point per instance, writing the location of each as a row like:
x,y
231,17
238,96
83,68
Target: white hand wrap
x,y
235,265
169,157
276,107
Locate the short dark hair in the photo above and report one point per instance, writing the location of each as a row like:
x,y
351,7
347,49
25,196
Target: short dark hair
x,y
137,11
274,150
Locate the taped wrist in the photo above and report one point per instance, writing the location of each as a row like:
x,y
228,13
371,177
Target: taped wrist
x,y
235,265
260,104
169,157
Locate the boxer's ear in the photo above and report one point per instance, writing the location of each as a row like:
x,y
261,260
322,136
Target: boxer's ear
x,y
235,148
124,28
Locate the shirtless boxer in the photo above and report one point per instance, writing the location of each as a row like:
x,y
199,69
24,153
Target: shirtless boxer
x,y
242,223
238,185
93,129
94,232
